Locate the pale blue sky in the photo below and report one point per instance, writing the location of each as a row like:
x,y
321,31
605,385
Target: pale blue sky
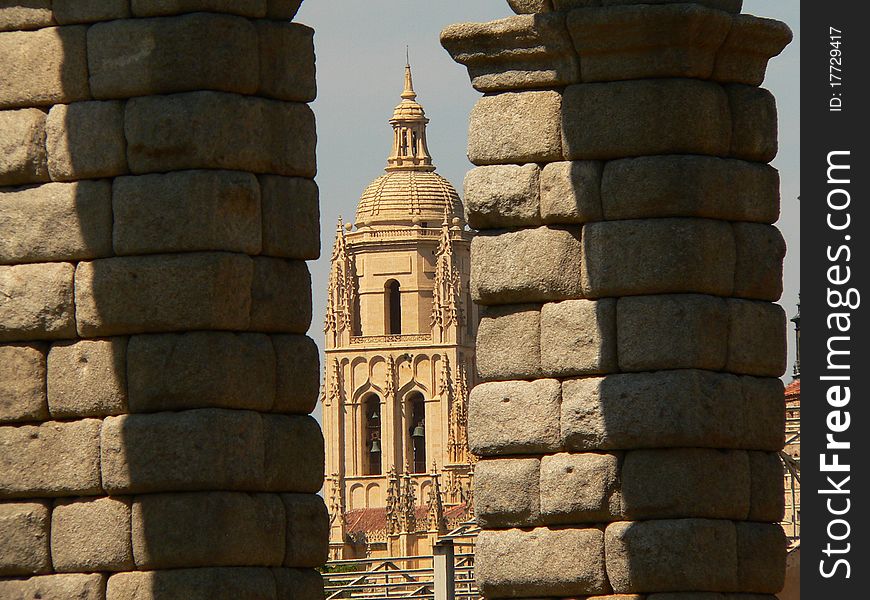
x,y
360,59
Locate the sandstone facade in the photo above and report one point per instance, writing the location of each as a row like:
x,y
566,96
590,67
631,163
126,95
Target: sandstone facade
x,y
156,209
631,412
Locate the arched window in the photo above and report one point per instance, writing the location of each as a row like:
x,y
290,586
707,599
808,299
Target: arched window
x,y
373,435
393,306
417,431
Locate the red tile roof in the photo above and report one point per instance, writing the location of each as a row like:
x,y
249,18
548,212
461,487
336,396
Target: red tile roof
x,y
375,519
793,391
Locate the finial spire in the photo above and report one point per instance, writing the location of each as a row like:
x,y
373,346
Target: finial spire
x,y
408,93
410,151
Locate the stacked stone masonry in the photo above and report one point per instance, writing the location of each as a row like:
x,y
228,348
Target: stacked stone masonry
x,y
157,207
631,414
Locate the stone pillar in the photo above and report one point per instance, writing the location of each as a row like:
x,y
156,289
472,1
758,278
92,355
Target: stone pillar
x,y
156,211
631,414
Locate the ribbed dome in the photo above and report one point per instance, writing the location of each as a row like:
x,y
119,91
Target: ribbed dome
x,y
404,196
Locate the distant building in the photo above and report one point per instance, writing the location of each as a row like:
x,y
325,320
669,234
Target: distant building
x,y
400,330
791,457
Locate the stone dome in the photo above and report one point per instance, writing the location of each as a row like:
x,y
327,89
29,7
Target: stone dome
x,y
410,191
400,197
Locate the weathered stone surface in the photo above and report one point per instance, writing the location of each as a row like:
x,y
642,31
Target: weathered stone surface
x,y
760,253
91,535
286,61
761,555
645,117
690,186
199,51
24,529
508,563
571,192
305,584
509,342
56,221
672,555
200,369
767,502
682,482
245,8
658,256
51,459
55,587
528,265
87,378
282,9
87,11
707,596
280,296
22,383
307,530
218,583
754,119
141,294
183,451
643,41
85,140
294,454
37,302
522,52
507,492
187,211
516,128
31,14
732,6
297,374
756,338
214,130
22,146
43,67
681,331
502,196
684,408
514,417
751,43
291,217
522,7
579,488
765,410
179,530
578,337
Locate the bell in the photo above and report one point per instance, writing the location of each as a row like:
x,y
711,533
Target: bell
x,y
376,446
419,431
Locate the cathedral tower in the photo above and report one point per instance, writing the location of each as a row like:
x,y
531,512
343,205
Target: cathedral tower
x,y
400,330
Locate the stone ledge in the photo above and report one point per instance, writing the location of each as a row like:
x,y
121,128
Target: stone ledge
x,y
643,41
522,52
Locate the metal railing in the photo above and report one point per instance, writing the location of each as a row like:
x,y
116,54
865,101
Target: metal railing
x,y
446,574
